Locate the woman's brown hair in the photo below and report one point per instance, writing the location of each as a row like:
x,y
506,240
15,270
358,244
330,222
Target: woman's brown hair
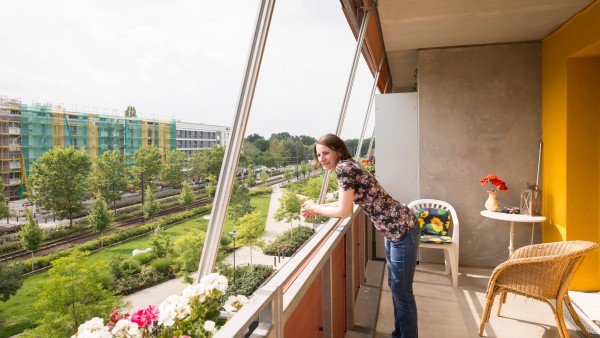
x,y
334,143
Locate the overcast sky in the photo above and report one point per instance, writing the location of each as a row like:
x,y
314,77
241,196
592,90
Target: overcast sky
x,y
184,60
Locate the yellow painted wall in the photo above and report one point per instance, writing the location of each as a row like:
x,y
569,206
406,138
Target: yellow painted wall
x,y
570,132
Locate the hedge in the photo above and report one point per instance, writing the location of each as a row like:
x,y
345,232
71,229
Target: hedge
x,y
45,261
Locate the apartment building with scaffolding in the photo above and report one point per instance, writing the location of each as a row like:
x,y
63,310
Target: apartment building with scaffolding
x,y
28,131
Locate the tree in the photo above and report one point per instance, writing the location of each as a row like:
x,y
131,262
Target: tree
x,y
75,290
100,218
287,174
172,173
31,235
303,169
289,210
189,250
10,280
239,203
263,176
130,112
109,177
205,163
250,230
186,196
59,181
151,205
4,210
147,160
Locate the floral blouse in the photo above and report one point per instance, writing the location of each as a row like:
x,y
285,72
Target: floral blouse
x,y
392,218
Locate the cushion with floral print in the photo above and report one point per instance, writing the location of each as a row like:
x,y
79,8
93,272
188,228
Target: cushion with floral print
x,y
434,225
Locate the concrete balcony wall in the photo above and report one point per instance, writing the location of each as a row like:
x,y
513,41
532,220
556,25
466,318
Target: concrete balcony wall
x,y
479,113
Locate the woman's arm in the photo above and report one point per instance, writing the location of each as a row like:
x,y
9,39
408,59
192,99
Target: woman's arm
x,y
342,209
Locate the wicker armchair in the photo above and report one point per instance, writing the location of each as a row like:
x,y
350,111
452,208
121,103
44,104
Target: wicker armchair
x,y
542,272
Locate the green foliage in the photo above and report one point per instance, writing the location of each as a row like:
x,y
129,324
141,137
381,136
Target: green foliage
x,y
10,280
144,257
250,181
151,205
288,242
172,173
4,210
74,291
59,181
100,218
239,204
161,245
130,112
250,229
211,187
261,191
247,279
147,160
188,249
263,176
44,261
163,266
31,234
289,210
287,174
186,196
205,163
110,175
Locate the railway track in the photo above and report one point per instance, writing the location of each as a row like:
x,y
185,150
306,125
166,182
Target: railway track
x,y
72,240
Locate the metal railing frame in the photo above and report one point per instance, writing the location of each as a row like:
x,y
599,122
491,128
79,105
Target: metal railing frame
x,y
233,150
338,130
368,112
272,307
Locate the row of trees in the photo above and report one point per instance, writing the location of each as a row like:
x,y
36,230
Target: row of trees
x,y
284,149
63,178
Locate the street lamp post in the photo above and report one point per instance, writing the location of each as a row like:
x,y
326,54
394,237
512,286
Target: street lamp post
x,y
232,233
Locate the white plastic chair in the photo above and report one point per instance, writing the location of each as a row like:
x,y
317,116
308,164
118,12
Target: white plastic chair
x,y
450,249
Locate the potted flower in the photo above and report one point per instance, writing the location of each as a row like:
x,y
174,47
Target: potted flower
x,y
369,164
494,185
196,313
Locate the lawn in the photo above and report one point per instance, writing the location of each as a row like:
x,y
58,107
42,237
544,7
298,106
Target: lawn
x,y
18,313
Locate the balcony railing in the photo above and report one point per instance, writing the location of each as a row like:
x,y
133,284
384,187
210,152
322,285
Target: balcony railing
x,y
314,292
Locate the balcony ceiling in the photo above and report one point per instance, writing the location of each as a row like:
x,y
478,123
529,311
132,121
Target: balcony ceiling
x,y
410,25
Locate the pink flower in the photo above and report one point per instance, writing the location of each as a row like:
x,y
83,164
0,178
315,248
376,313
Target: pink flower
x,y
145,316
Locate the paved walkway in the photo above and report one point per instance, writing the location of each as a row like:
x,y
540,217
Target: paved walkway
x,y
156,294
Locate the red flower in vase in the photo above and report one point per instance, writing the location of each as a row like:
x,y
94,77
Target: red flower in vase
x,y
495,182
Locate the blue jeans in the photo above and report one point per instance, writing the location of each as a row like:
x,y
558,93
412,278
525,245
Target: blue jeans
x,y
401,260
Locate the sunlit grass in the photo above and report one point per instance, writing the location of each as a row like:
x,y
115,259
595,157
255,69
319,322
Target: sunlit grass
x,y
19,313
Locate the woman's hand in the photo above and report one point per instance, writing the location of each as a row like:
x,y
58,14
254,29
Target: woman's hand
x,y
308,210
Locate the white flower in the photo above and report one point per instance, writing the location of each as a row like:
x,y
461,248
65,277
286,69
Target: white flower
x,y
196,290
126,329
93,328
173,308
214,281
209,326
234,303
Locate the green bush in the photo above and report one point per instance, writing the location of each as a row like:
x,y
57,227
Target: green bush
x,y
144,258
261,191
248,278
44,261
163,266
130,266
287,243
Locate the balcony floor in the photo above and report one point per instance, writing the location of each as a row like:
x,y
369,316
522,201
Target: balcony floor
x,y
445,311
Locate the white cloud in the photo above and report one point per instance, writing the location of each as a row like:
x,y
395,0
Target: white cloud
x,y
185,59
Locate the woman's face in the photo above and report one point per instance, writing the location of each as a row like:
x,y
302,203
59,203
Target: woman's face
x,y
328,158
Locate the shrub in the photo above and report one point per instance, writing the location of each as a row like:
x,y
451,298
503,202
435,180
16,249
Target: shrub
x,y
130,266
163,266
144,258
261,191
247,279
287,243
